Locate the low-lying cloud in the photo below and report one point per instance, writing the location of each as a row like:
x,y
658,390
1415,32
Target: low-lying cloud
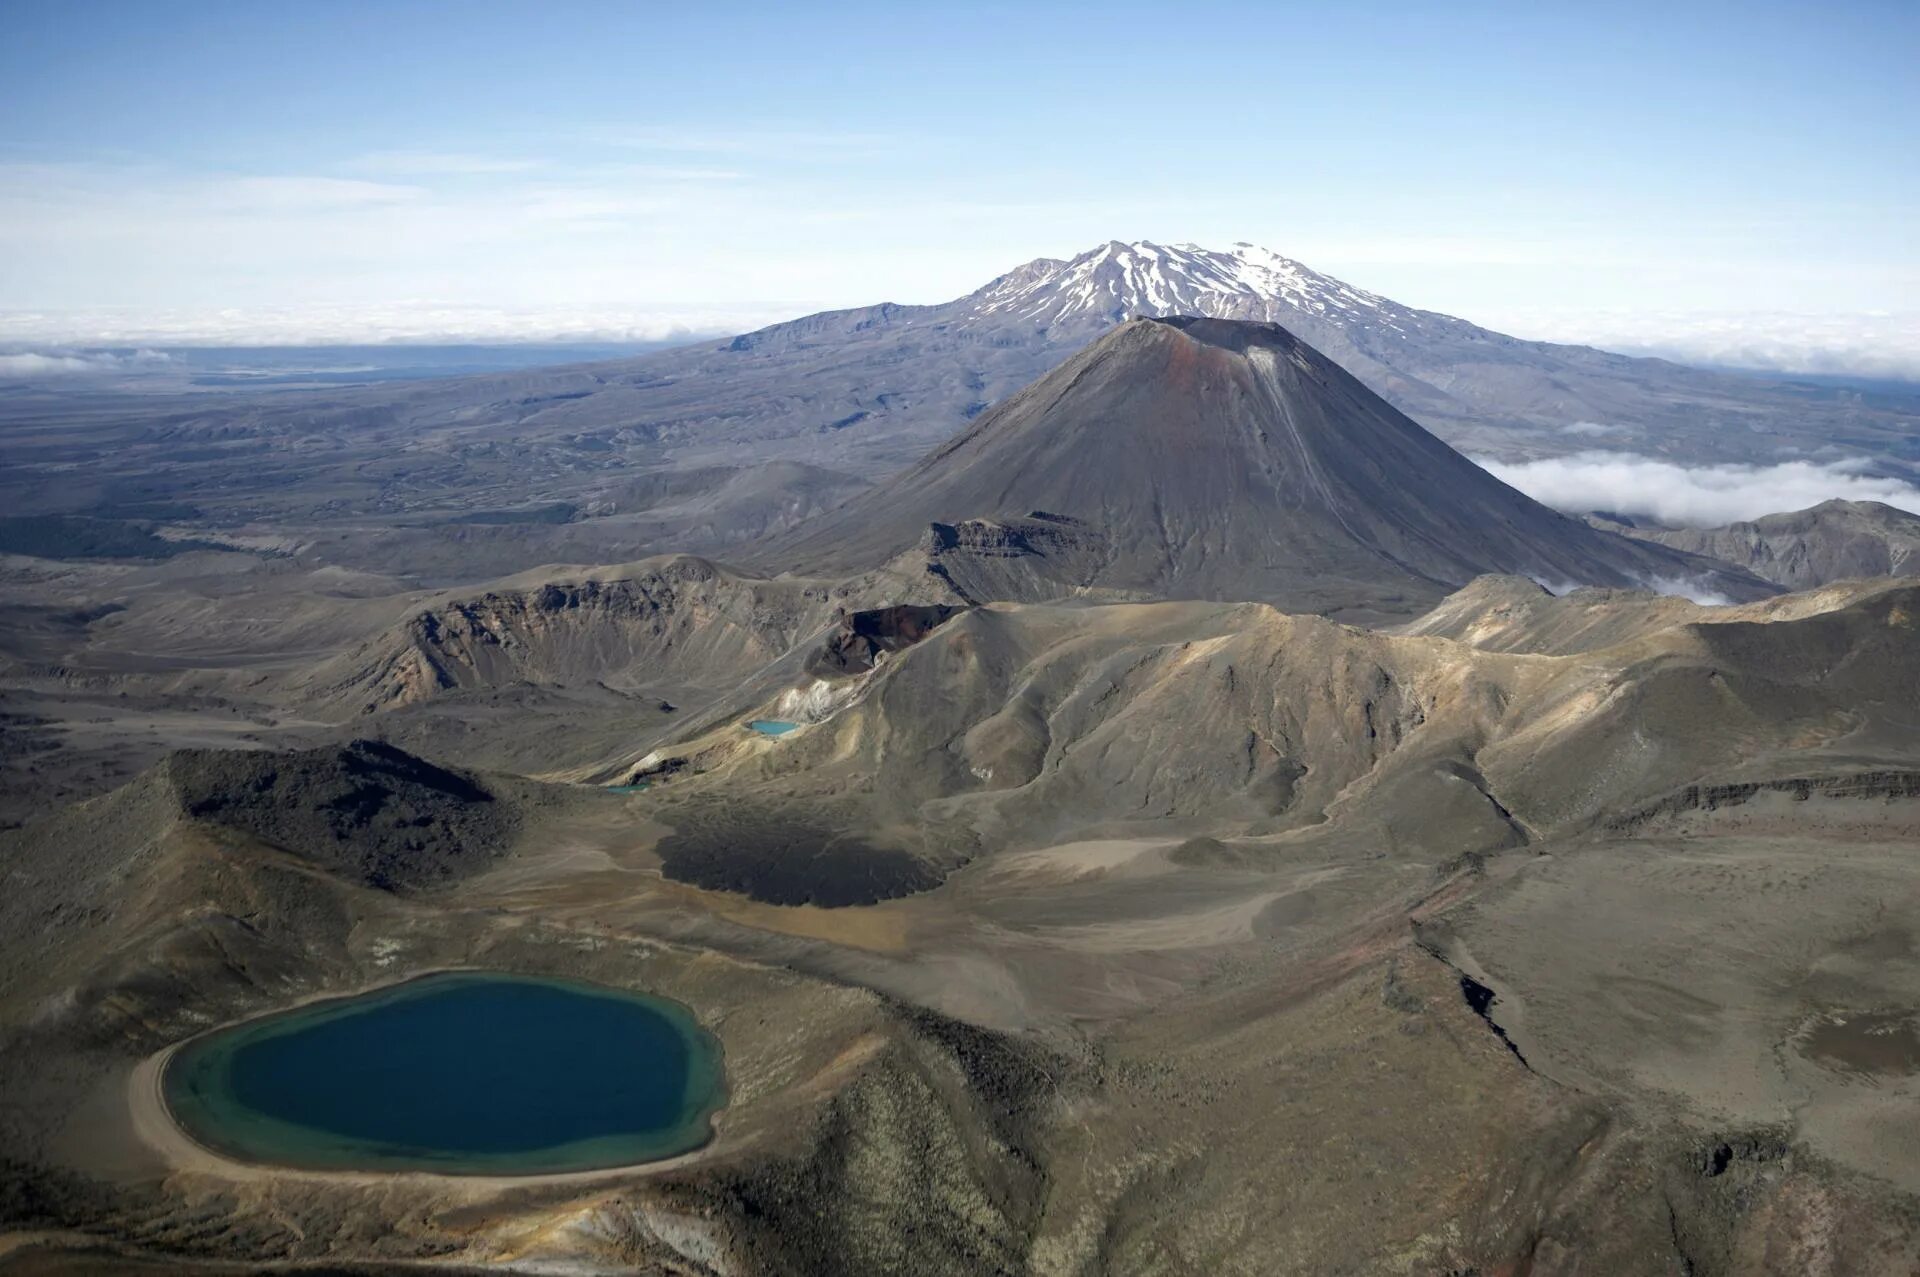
x,y
1693,588
32,365
1880,344
1593,429
401,323
1701,496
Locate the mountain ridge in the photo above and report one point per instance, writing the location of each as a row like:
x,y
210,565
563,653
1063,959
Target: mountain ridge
x,y
1801,549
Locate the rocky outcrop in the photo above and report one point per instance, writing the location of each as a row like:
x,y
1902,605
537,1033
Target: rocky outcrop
x,y
1027,558
661,623
1893,784
861,639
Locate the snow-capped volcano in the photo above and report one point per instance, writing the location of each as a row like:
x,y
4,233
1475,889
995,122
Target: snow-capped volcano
x,y
1117,281
865,391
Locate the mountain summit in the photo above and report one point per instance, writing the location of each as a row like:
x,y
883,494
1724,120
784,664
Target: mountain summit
x,y
1210,458
1117,281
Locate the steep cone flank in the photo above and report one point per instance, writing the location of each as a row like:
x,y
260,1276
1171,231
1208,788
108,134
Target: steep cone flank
x,y
1206,458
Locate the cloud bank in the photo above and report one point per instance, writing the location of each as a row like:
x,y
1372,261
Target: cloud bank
x,y
1701,496
1879,344
1692,588
34,365
402,323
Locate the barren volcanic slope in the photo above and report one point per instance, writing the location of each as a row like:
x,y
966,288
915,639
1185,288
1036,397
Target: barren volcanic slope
x,y
1209,458
1219,941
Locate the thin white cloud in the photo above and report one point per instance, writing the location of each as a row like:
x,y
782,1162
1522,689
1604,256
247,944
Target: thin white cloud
x,y
302,193
1701,496
773,221
666,173
1692,588
1868,344
34,365
440,163
812,143
405,323
1360,255
614,238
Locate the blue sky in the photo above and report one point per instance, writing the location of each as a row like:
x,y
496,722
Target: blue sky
x,y
1640,173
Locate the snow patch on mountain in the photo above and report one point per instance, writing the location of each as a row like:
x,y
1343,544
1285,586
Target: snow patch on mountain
x,y
1119,281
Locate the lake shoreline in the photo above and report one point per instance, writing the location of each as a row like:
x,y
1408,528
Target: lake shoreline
x,y
156,1125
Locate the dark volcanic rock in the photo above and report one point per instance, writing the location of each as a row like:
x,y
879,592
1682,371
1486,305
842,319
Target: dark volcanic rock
x,y
861,638
789,858
1889,784
367,811
1028,558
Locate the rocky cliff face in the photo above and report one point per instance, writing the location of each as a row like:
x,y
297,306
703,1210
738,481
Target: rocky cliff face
x,y
666,621
862,639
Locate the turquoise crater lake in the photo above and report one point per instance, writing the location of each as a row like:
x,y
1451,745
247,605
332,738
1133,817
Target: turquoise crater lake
x,y
473,1073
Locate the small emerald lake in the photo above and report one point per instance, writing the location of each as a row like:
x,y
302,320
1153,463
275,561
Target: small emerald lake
x,y
772,726
460,1073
